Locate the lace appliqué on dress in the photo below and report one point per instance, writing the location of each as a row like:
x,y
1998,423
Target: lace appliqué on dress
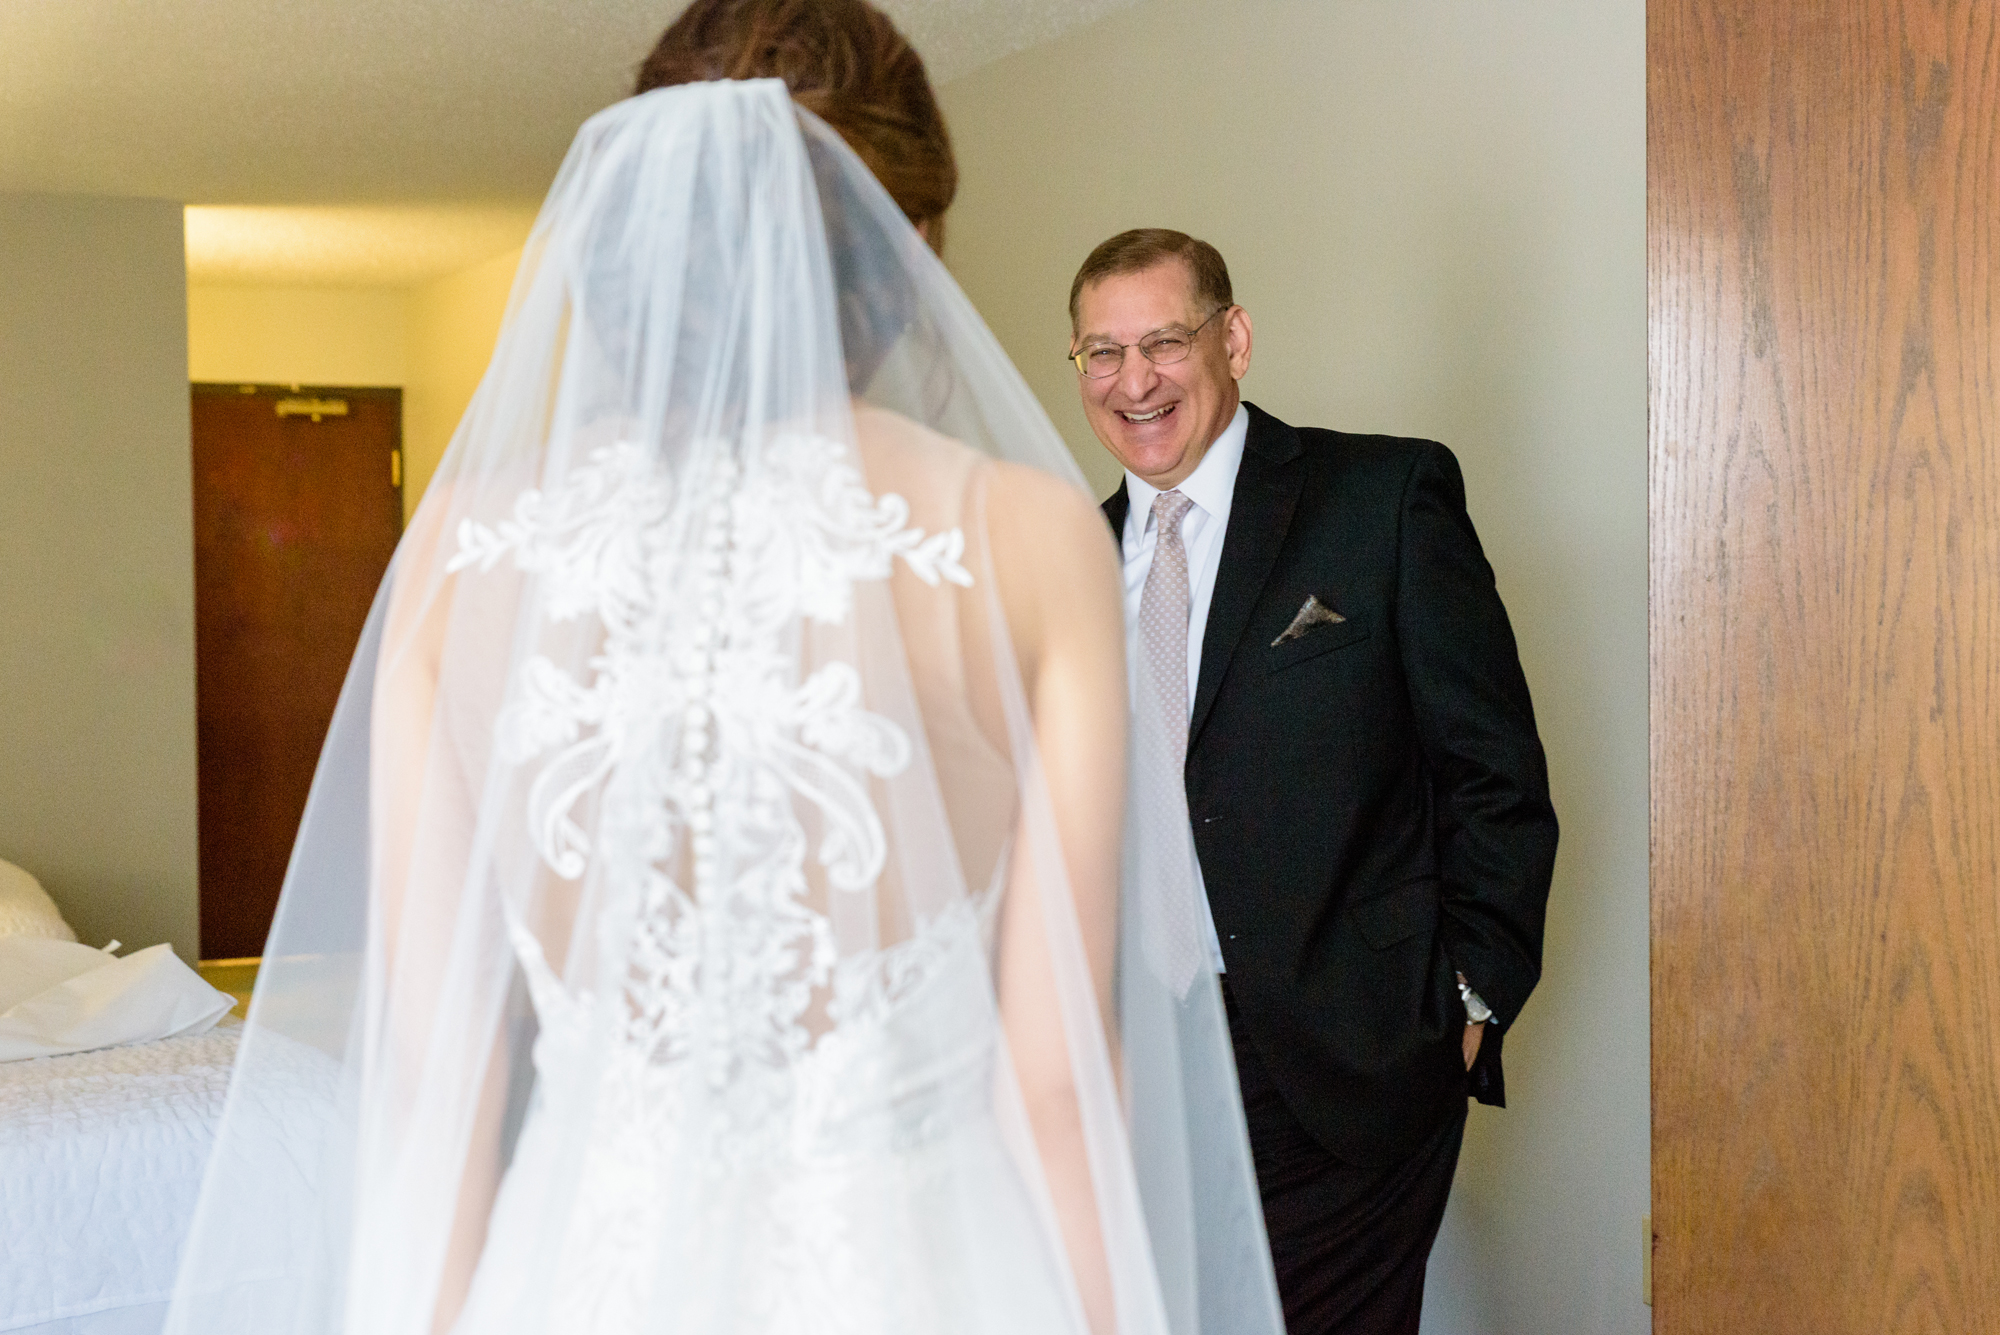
x,y
696,751
689,697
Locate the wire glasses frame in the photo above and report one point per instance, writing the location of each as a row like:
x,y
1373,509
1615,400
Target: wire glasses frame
x,y
1164,347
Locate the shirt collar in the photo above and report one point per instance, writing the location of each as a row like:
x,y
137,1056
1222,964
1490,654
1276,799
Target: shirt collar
x,y
1212,483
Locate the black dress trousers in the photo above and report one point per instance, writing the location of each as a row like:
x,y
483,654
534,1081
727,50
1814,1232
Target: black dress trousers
x,y
1349,1244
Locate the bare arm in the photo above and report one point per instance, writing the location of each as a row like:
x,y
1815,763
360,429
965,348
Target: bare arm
x,y
1059,587
404,713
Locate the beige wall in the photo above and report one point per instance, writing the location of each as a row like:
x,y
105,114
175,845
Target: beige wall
x,y
1434,211
97,790
431,340
298,335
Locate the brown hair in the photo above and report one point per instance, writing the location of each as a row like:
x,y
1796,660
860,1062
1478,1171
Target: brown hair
x,y
844,62
1142,248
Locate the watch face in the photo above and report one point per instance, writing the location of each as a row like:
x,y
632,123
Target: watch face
x,y
1476,1009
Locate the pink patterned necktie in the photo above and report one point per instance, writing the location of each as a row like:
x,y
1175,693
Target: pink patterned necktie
x,y
1170,923
1163,621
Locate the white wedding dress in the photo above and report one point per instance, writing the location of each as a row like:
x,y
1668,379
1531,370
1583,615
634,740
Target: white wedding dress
x,y
658,927
883,1200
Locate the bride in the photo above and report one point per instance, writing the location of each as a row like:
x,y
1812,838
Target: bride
x,y
730,900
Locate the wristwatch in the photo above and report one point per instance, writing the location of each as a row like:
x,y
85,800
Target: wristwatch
x,y
1476,1009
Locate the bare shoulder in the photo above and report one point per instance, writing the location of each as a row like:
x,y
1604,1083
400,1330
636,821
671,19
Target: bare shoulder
x,y
1046,533
1035,520
904,456
1055,564
1045,521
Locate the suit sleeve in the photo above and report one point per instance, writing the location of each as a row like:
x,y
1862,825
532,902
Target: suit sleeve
x,y
1496,826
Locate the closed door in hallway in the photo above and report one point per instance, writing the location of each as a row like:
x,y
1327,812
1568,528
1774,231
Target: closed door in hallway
x,y
297,509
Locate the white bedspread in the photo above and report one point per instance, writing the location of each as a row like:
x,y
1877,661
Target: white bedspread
x,y
101,1156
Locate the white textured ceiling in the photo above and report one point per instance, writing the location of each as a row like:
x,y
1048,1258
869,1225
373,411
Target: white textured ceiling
x,y
343,102
361,142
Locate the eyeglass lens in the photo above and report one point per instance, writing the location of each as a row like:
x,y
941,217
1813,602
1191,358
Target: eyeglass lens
x,y
1102,360
1163,349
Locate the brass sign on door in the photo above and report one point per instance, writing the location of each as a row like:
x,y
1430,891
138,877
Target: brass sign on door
x,y
313,408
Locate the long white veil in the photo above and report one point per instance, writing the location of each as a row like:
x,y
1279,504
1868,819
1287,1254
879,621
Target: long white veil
x,y
636,965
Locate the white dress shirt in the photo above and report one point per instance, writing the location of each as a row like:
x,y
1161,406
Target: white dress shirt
x,y
1210,487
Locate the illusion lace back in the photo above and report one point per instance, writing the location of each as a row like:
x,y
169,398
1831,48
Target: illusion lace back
x,y
788,1136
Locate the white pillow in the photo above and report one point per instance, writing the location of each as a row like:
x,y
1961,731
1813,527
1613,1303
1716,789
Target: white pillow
x,y
58,997
26,909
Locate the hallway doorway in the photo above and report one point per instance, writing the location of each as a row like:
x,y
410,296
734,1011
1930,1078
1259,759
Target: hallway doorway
x,y
297,510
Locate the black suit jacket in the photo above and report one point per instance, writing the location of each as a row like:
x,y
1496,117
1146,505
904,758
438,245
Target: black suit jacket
x,y
1370,799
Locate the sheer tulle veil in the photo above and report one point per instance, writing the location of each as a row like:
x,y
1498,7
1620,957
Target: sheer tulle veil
x,y
635,968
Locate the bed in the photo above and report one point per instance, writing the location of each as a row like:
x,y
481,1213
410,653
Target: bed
x,y
101,1150
101,1155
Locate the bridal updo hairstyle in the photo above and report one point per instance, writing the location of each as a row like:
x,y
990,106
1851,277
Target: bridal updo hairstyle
x,y
844,61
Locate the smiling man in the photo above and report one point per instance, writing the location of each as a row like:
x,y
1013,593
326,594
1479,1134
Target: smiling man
x,y
1368,793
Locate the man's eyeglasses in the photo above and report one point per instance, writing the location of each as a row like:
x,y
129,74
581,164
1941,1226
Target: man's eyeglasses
x,y
1164,347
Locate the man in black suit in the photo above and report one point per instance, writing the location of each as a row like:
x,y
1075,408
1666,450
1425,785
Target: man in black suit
x,y
1369,796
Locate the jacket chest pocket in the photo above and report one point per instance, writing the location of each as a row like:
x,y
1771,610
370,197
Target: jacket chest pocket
x,y
1320,639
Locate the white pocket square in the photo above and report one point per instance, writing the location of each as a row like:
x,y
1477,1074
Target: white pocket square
x,y
1312,613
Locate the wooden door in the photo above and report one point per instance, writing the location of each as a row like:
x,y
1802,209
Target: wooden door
x,y
1823,227
296,514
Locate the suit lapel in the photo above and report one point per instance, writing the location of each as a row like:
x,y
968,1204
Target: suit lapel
x,y
1115,505
1260,512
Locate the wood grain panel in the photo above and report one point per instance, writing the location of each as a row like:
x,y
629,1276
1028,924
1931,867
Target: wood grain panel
x,y
1824,259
